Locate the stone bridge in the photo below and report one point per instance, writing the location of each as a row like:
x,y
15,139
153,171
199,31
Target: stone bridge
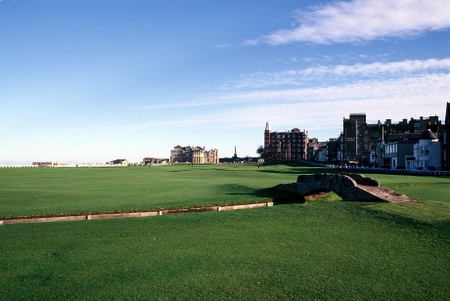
x,y
350,187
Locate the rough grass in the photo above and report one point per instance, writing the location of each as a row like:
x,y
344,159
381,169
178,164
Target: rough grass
x,y
323,250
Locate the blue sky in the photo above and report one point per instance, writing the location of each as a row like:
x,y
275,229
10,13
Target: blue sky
x,y
92,81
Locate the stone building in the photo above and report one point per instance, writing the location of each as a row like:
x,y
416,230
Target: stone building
x,y
151,161
413,126
317,150
194,155
445,139
333,150
356,137
285,146
384,144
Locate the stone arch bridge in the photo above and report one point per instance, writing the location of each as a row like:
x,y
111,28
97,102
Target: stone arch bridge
x,y
350,187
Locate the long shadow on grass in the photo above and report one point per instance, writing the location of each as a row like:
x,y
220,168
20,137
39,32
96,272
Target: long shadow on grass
x,y
301,171
278,197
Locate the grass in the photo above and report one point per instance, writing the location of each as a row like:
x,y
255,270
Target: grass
x,y
324,250
432,193
321,251
47,191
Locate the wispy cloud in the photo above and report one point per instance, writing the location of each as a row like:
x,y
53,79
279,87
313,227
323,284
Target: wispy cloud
x,y
322,107
393,90
299,77
362,20
427,85
360,81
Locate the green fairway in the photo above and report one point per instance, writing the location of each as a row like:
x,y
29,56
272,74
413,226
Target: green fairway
x,y
42,191
321,251
324,250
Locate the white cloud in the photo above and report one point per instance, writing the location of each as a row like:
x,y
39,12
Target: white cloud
x,y
339,72
428,85
393,90
322,108
362,20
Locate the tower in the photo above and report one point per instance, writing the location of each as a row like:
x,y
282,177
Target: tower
x,y
352,135
267,133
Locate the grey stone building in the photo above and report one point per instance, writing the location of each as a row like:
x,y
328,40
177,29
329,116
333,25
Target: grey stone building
x,y
194,155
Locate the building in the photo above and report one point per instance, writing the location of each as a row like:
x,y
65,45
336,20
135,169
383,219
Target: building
x,y
399,153
285,146
333,150
151,160
316,150
363,143
194,155
445,139
360,140
427,151
47,164
353,144
118,162
413,125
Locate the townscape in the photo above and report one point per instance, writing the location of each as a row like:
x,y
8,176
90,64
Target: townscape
x,y
415,145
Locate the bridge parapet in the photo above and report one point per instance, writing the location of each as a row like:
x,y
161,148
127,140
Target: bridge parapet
x,y
362,179
350,187
346,186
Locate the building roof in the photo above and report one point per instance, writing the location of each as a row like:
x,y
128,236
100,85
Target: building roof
x,y
403,136
117,161
428,134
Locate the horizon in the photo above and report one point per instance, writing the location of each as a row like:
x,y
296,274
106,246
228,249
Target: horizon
x,y
94,81
220,157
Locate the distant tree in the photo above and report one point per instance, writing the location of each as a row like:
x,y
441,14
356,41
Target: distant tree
x,y
260,151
